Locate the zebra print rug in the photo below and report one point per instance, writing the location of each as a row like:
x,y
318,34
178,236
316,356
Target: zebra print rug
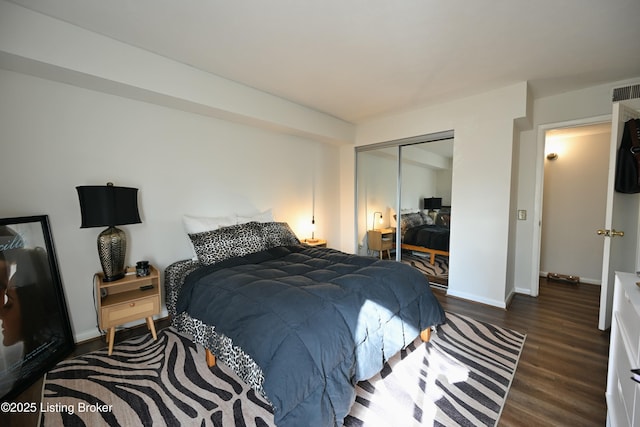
x,y
461,377
438,273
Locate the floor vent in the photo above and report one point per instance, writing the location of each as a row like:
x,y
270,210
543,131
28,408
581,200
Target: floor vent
x,y
626,92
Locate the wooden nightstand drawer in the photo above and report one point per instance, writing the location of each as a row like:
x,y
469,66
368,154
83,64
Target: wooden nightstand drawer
x,y
387,243
119,314
628,321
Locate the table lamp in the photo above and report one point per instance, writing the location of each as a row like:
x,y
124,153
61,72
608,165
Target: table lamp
x,y
108,205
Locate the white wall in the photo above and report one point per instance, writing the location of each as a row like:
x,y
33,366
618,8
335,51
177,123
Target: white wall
x,y
424,179
481,181
443,186
417,183
377,191
552,111
575,190
498,259
56,136
191,127
79,108
37,44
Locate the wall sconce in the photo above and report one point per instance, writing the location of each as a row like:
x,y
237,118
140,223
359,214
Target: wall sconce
x,y
552,156
374,219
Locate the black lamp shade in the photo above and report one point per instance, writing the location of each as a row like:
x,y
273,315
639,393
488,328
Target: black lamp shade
x,y
107,205
432,202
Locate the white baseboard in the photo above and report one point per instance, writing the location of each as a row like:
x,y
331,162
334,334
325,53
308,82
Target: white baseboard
x,y
472,297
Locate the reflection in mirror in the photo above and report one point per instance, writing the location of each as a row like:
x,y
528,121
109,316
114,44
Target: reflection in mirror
x,y
377,189
398,176
426,177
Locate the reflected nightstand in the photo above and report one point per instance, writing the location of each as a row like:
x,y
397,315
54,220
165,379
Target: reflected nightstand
x,y
382,240
316,243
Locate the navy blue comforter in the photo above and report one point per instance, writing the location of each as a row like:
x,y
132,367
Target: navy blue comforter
x,y
428,236
315,320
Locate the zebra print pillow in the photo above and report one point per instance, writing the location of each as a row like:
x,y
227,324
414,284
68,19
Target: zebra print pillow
x,y
228,242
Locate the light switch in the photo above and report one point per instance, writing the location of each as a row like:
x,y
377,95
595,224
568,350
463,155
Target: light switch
x,y
522,214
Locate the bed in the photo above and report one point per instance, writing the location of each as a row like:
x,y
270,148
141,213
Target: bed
x,y
420,232
301,325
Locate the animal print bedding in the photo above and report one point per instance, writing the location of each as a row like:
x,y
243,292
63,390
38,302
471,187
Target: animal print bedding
x,y
314,320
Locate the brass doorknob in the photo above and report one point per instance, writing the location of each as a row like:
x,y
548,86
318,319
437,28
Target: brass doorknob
x,y
610,233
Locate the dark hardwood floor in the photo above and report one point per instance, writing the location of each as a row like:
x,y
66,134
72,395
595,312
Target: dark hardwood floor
x,y
561,375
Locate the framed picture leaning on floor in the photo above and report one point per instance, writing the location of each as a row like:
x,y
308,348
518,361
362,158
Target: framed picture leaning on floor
x,y
35,331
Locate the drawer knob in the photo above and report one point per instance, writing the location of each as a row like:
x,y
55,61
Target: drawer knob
x,y
133,304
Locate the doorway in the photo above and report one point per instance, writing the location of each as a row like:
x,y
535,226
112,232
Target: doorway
x,y
574,200
622,210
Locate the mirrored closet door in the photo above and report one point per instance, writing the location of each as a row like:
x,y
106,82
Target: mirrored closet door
x,y
403,202
425,182
377,197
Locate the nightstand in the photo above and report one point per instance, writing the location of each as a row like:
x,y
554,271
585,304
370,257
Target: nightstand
x,y
382,240
316,243
128,299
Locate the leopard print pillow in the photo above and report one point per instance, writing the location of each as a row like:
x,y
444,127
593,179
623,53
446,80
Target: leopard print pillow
x,y
410,220
278,234
228,242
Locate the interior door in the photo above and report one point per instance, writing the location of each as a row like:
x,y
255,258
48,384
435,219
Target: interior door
x,y
621,219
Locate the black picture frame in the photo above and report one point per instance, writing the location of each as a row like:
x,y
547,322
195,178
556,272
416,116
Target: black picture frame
x,y
36,332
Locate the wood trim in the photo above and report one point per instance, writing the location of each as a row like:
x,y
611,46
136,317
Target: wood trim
x,y
433,252
152,328
211,359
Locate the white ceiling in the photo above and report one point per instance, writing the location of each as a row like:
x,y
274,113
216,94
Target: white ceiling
x,y
578,131
355,59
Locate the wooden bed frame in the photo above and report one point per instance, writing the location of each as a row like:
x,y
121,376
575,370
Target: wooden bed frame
x,y
425,336
433,252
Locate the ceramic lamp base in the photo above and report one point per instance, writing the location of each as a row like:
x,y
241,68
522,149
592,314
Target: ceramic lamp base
x,y
112,247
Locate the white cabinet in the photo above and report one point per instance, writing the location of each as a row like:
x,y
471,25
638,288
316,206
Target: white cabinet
x,y
623,394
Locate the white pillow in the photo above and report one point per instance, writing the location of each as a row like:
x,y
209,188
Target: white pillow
x,y
199,224
266,216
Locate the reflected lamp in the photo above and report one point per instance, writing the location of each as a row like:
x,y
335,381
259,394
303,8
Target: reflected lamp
x,y
380,221
431,203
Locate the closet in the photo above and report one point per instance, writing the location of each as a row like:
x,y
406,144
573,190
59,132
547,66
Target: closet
x,y
396,177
